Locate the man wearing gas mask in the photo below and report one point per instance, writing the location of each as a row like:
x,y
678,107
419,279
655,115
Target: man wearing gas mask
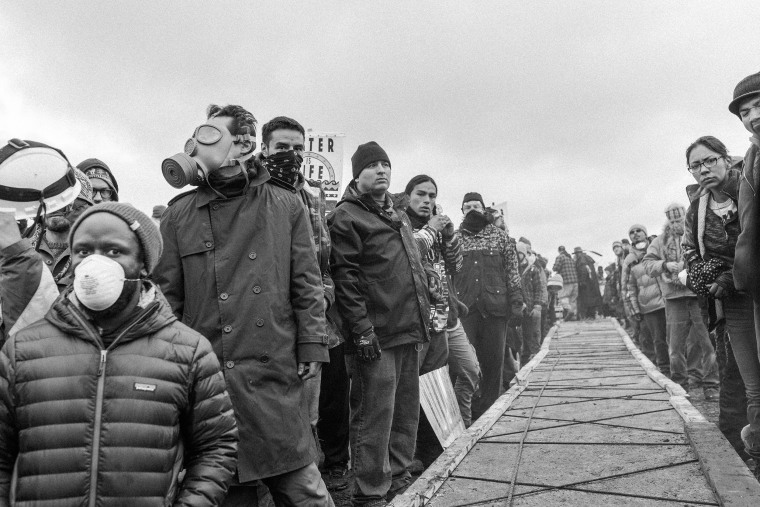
x,y
239,267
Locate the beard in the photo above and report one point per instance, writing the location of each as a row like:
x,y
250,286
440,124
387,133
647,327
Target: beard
x,y
121,303
57,223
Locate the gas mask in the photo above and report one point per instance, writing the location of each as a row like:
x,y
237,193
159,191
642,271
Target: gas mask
x,y
207,151
99,281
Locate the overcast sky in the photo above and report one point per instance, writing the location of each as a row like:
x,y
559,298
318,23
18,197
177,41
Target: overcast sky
x,y
577,113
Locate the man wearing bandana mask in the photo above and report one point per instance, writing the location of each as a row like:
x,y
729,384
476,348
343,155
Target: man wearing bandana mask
x,y
489,285
239,267
647,304
111,354
282,149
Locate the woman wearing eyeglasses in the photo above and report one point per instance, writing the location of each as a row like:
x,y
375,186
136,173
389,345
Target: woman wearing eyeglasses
x,y
709,245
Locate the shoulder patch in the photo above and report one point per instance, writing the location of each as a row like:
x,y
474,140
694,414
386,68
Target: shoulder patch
x,y
180,196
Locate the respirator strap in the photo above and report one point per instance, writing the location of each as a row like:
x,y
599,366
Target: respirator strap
x,y
15,194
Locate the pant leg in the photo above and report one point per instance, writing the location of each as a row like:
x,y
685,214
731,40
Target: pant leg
x,y
678,322
333,409
656,323
646,342
242,495
701,360
300,488
490,334
732,416
531,339
406,413
740,322
384,404
463,365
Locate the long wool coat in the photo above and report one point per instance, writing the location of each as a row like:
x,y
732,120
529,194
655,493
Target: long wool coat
x,y
243,272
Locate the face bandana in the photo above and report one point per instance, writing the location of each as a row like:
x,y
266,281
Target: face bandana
x,y
98,282
475,221
284,166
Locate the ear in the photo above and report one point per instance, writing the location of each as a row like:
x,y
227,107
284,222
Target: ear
x,y
264,150
248,146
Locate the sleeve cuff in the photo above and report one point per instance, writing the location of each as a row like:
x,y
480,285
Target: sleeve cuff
x,y
309,352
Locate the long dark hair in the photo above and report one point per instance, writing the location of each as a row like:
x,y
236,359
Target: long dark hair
x,y
712,144
417,180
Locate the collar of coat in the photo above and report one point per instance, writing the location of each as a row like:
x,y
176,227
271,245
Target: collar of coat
x,y
730,187
257,174
153,313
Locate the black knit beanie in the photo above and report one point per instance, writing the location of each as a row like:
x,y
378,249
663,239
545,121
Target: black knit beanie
x,y
473,196
366,154
144,228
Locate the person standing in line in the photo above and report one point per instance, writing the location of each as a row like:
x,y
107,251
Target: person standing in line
x,y
381,293
645,298
532,291
565,266
282,149
109,397
104,186
239,267
489,285
589,295
692,358
709,245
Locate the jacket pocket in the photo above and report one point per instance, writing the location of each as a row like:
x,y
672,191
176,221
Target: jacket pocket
x,y
494,299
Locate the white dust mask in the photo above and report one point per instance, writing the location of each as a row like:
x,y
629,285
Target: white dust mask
x,y
641,245
98,282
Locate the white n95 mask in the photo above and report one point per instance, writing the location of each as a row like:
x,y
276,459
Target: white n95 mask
x,y
98,282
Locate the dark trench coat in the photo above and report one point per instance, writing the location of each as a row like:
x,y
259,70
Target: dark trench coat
x,y
243,272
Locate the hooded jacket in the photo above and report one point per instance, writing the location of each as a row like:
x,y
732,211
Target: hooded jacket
x,y
84,425
666,248
380,282
643,291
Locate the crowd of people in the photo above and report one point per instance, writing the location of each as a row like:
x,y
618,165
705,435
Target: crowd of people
x,y
245,342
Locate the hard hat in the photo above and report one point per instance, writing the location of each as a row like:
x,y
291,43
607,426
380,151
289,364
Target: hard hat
x,y
33,174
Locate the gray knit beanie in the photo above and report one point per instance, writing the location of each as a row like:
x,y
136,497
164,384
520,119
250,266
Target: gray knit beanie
x,y
144,228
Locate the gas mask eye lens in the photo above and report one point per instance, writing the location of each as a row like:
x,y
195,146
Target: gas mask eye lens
x,y
207,134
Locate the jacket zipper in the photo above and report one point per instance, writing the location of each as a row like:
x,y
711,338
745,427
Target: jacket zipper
x,y
96,429
99,401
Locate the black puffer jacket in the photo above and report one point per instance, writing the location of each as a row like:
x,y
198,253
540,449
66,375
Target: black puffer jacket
x,y
80,425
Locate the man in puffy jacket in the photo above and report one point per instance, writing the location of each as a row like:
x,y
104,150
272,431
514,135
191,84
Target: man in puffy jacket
x,y
109,397
688,339
644,296
381,293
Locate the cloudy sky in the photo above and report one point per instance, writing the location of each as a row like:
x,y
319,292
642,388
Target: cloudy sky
x,y
577,113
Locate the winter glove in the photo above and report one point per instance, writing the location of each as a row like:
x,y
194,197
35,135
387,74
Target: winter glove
x,y
367,346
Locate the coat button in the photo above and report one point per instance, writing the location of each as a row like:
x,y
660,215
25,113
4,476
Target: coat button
x,y
230,364
208,244
227,329
264,358
215,207
260,322
252,255
223,296
256,289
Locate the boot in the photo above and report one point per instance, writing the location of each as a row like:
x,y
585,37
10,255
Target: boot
x,y
751,441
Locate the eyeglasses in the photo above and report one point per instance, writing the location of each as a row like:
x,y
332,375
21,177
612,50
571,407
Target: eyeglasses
x,y
636,230
709,163
105,193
